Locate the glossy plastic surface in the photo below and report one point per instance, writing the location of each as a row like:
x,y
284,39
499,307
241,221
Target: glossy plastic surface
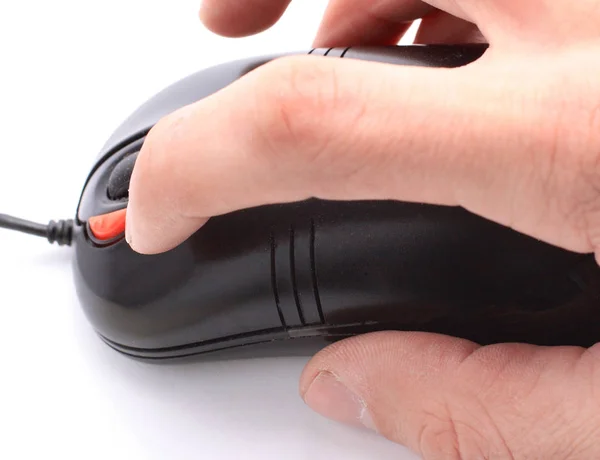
x,y
319,270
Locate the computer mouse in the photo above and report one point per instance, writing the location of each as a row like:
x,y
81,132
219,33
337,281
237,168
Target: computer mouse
x,y
318,270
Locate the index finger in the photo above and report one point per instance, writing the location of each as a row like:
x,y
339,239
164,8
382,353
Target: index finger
x,y
306,127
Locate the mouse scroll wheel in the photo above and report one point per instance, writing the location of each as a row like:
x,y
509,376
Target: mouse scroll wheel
x,y
118,182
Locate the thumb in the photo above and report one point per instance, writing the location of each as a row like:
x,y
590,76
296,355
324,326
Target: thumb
x,y
452,399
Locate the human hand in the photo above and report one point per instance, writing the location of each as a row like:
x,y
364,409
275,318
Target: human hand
x,y
514,137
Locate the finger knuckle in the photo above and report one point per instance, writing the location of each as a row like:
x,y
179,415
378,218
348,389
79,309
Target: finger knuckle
x,y
569,163
300,105
587,180
449,433
460,424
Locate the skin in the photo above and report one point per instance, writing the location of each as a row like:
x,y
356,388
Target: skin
x,y
514,137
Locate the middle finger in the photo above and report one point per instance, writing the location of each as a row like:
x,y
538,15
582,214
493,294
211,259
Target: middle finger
x,y
369,22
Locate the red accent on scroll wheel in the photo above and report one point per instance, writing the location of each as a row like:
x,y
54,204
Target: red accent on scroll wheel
x,y
108,226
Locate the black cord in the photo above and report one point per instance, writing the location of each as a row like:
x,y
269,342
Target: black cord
x,y
60,232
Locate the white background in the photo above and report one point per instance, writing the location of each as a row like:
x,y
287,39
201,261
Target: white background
x,y
70,72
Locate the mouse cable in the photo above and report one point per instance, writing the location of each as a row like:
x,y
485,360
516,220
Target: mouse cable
x,y
60,232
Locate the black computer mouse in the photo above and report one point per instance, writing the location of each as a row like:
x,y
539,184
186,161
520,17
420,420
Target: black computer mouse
x,y
318,270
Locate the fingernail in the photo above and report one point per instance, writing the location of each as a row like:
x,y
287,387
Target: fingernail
x,y
329,397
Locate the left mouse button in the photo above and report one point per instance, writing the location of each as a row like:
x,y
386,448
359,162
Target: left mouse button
x,y
108,226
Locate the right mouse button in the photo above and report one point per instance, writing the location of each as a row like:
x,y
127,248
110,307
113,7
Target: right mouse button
x,y
118,182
